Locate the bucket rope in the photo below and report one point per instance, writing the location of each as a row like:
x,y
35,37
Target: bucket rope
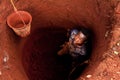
x,y
15,9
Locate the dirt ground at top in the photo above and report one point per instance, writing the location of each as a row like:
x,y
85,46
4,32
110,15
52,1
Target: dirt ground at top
x,y
33,58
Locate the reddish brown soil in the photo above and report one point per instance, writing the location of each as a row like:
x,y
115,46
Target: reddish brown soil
x,y
51,20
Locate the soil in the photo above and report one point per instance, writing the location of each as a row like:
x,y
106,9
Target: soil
x,y
35,57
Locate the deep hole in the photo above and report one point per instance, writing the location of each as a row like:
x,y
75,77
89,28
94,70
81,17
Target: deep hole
x,y
40,57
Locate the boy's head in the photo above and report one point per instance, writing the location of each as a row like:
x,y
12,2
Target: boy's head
x,y
79,38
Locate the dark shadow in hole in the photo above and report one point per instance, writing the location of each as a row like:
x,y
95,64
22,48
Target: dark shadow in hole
x,y
40,55
77,72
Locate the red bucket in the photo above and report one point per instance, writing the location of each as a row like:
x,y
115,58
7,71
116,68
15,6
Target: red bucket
x,y
20,22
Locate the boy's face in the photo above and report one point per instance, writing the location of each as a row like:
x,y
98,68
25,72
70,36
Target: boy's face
x,y
79,39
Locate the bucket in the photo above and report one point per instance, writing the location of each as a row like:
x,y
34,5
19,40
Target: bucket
x,y
20,22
